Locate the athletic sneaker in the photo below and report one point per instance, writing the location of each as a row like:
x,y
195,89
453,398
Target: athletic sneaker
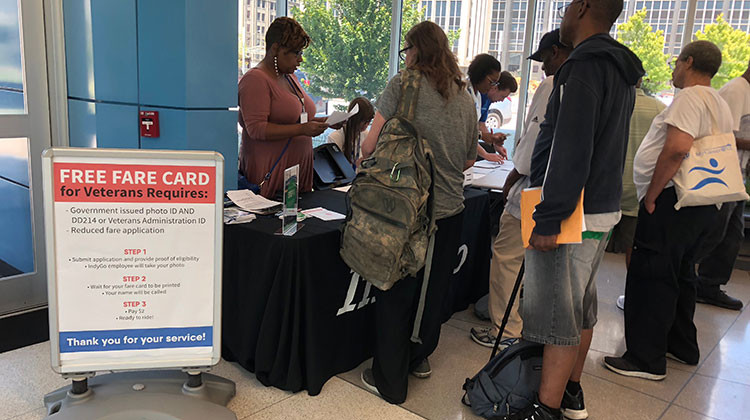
x,y
484,337
626,368
573,407
621,302
368,379
718,298
422,370
679,360
535,411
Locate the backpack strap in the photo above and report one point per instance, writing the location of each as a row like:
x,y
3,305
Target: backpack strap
x,y
430,251
407,104
423,293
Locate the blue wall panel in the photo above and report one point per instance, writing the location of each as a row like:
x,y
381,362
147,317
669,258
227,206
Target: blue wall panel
x,y
101,49
187,52
16,241
102,125
199,130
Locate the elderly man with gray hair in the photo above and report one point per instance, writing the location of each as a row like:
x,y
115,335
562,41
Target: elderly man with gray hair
x,y
660,289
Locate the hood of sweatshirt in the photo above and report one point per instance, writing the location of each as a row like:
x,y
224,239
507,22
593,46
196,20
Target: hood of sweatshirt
x,y
604,46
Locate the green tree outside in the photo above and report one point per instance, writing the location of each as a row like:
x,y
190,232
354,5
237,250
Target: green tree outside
x,y
735,49
648,45
351,39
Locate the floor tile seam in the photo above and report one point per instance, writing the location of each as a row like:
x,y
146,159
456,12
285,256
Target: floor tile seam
x,y
722,379
22,414
268,406
359,385
696,412
25,412
708,356
664,413
626,387
695,373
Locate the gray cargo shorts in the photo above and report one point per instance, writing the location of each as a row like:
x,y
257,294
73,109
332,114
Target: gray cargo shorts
x,y
559,294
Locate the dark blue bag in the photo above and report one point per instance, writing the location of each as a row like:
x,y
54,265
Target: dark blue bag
x,y
510,381
244,184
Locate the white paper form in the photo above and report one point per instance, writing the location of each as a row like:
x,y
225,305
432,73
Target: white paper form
x,y
338,116
343,189
248,200
234,215
323,214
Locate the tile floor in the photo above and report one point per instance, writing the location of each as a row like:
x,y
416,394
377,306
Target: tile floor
x,y
718,388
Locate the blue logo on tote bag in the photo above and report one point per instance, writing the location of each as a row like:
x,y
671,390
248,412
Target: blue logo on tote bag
x,y
709,179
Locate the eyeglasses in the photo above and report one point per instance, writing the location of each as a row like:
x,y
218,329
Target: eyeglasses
x,y
402,52
494,83
673,63
562,9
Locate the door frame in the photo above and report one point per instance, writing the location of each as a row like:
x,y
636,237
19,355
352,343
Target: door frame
x,y
28,291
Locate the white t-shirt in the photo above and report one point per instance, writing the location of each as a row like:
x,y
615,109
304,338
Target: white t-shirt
x,y
737,94
338,138
535,117
524,146
690,112
477,98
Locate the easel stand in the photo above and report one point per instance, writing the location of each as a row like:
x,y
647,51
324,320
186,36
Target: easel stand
x,y
157,395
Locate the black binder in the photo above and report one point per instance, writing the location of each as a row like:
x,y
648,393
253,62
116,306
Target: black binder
x,y
332,169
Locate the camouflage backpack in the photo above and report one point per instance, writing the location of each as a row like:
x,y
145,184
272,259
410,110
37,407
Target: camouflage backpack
x,y
390,217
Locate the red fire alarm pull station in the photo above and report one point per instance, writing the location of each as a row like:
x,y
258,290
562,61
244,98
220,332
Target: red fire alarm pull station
x,y
149,121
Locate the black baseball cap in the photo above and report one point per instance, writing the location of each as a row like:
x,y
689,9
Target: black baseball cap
x,y
548,40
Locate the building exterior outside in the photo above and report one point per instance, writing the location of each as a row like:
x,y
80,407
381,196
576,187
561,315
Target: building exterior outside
x,y
256,16
498,26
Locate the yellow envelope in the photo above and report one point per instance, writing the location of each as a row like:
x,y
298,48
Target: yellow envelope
x,y
570,228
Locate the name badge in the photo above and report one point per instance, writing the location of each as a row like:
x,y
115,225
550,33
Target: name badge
x,y
303,118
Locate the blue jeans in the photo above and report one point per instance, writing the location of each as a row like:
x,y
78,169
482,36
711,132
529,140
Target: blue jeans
x,y
559,295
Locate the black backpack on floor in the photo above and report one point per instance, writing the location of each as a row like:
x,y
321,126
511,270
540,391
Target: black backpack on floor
x,y
510,381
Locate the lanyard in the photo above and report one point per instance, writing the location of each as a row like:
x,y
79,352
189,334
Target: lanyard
x,y
295,89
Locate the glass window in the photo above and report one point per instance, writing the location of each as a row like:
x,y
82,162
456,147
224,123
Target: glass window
x,y
16,243
12,100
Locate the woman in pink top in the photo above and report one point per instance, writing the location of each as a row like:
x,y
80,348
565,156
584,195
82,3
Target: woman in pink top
x,y
276,115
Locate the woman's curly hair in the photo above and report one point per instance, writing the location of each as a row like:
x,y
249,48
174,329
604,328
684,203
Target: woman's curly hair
x,y
288,34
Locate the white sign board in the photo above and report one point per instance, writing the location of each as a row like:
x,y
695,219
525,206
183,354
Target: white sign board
x,y
134,242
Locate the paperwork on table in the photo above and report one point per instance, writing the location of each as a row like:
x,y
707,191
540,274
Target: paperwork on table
x,y
235,215
486,174
248,200
338,116
323,214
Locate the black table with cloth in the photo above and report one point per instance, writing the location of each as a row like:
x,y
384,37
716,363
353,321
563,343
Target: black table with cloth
x,y
296,315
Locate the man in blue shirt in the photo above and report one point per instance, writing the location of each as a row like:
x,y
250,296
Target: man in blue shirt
x,y
506,86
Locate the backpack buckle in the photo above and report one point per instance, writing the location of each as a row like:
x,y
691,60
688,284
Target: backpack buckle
x,y
398,174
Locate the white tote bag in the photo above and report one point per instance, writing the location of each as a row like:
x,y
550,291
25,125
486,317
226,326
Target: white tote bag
x,y
710,173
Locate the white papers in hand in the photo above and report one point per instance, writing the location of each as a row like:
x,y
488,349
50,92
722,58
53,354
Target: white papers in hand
x,y
248,200
338,116
324,214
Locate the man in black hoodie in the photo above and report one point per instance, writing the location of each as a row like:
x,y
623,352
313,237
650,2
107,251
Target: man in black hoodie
x,y
581,147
